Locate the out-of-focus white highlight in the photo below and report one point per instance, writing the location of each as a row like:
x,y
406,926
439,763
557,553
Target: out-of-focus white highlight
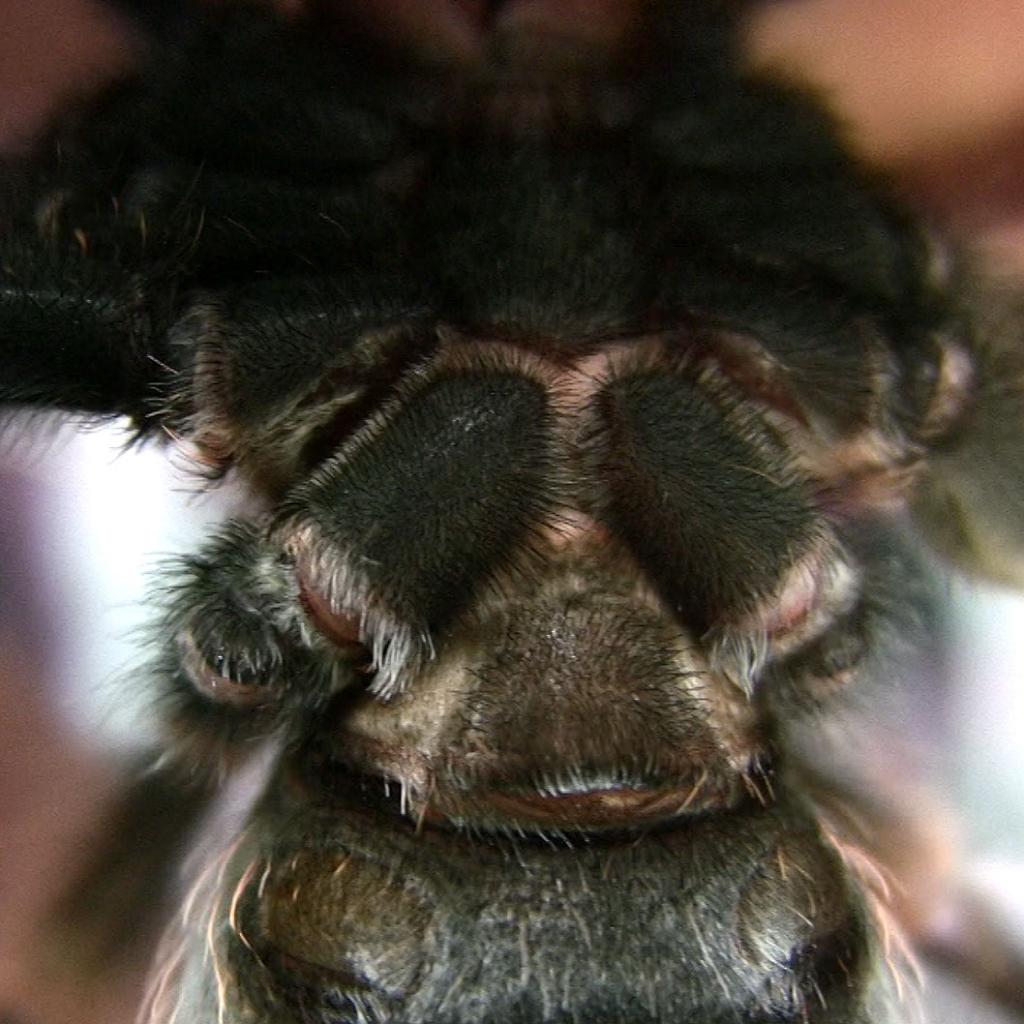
x,y
986,657
112,514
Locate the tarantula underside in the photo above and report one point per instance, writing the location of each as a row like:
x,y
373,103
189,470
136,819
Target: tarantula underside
x,y
588,399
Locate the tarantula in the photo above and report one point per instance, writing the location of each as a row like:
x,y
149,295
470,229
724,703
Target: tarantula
x,y
592,401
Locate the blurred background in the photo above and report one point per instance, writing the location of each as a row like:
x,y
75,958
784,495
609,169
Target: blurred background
x,y
931,90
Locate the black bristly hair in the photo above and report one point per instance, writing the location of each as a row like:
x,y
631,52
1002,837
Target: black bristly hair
x,y
588,402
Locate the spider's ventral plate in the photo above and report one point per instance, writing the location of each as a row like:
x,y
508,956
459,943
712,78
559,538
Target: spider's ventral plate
x,y
586,391
352,912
